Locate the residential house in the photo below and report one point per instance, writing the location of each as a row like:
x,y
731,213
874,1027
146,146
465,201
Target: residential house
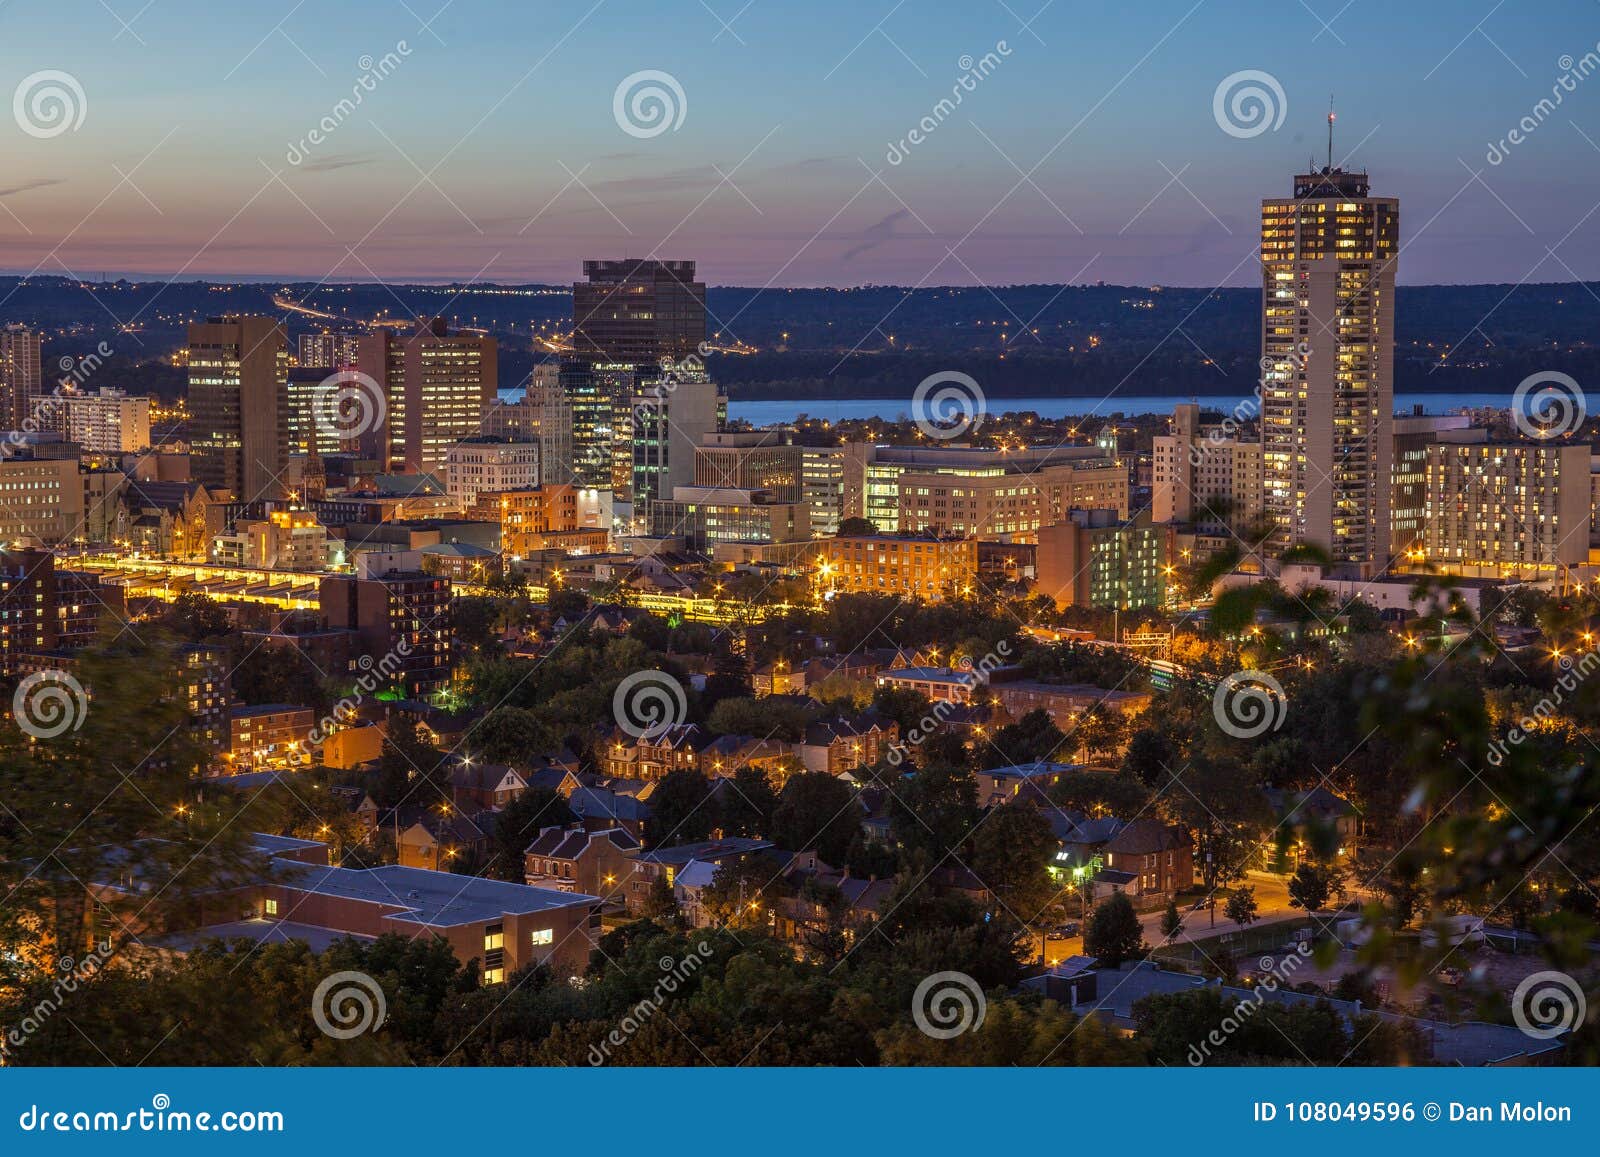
x,y
666,863
576,860
842,744
1160,855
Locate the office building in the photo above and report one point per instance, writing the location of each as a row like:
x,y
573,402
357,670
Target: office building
x,y
329,351
706,517
41,500
283,540
238,405
21,374
751,460
107,422
1507,509
1205,476
978,493
542,415
922,566
488,464
1097,558
1408,504
549,517
402,619
1328,257
658,432
436,388
638,312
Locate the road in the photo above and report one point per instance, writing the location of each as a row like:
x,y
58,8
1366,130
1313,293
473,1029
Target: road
x,y
1272,906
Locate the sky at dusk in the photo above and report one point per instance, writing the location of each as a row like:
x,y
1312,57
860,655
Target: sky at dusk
x,y
493,149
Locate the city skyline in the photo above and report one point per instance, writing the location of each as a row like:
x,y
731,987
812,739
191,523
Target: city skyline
x,y
483,143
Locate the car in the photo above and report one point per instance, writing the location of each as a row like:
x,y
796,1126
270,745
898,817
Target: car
x,y
1067,931
1451,977
1200,905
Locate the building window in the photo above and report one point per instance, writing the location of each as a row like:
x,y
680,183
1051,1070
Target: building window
x,y
544,936
493,938
494,975
270,907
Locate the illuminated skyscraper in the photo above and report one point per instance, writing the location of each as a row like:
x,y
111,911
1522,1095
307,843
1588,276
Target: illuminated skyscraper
x,y
238,399
436,387
21,377
1328,257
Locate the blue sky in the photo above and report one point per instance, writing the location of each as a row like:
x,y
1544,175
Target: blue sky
x,y
1089,152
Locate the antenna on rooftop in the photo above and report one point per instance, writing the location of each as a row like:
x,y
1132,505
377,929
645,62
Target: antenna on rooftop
x,y
1330,132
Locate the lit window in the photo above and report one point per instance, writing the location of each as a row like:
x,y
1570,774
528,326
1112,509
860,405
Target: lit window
x,y
494,975
544,936
494,938
270,907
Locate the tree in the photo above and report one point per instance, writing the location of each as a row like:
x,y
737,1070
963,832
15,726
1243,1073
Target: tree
x,y
97,774
660,902
511,735
934,810
742,892
1150,757
195,618
856,525
516,825
1312,885
817,812
1241,908
1114,934
1171,922
680,808
747,803
1010,853
1033,737
764,718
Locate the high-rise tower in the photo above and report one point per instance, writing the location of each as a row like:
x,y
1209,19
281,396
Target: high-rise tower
x,y
1328,257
